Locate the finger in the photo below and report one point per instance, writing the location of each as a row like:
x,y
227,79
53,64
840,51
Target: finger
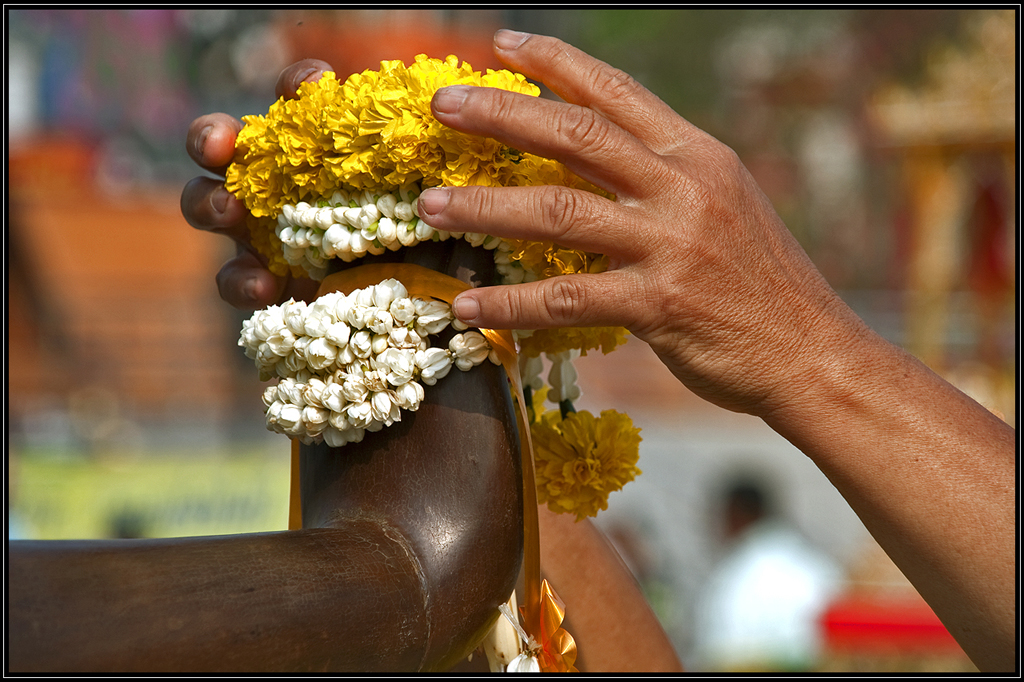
x,y
211,141
580,79
566,301
304,71
245,283
206,205
568,217
586,142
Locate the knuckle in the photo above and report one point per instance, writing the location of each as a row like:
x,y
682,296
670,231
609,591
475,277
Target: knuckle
x,y
565,300
562,210
612,83
582,129
502,105
481,203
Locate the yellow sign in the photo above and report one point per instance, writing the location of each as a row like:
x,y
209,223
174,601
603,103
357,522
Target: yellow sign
x,y
151,496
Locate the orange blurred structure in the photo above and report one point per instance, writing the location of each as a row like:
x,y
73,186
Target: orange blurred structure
x,y
110,293
355,40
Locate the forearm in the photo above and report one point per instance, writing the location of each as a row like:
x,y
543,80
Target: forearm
x,y
931,474
607,614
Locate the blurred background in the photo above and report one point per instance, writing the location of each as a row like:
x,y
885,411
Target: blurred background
x,y
885,138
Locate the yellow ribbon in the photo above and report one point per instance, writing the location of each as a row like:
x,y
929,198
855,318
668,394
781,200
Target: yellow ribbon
x,y
295,497
542,610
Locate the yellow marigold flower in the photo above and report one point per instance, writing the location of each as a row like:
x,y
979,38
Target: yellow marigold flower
x,y
561,339
375,131
581,459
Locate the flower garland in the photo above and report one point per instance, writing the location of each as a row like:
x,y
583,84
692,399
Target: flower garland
x,y
349,364
335,174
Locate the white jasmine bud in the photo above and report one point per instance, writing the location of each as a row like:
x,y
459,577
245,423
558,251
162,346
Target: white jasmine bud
x,y
339,420
281,341
354,390
562,377
469,349
381,322
266,322
387,233
403,310
360,414
358,316
289,420
301,238
388,291
321,353
340,215
294,313
384,409
406,233
378,344
313,393
403,211
423,231
432,316
274,414
286,234
370,214
359,244
314,325
374,381
529,370
403,337
335,437
335,240
352,216
434,364
408,396
324,218
398,365
288,214
345,356
289,390
333,397
361,343
338,334
386,205
314,419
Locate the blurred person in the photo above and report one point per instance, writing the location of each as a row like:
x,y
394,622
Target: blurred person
x,y
761,608
703,269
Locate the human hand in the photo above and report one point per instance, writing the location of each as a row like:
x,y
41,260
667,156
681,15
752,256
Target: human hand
x,y
701,266
244,281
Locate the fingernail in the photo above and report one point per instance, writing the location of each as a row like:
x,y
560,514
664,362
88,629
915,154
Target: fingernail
x,y
449,100
509,40
466,307
219,199
306,76
201,141
433,200
250,288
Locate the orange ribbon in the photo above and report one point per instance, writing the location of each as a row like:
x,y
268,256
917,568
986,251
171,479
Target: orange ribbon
x,y
542,610
558,649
